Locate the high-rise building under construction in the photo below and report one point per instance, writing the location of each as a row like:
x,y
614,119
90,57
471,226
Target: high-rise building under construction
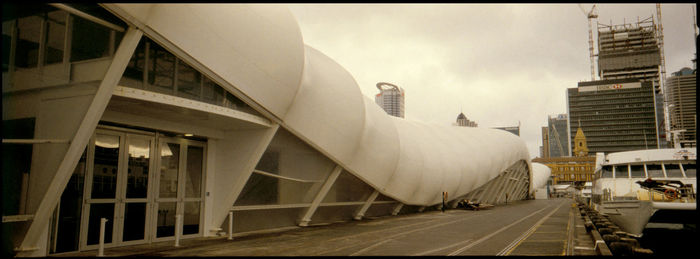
x,y
629,51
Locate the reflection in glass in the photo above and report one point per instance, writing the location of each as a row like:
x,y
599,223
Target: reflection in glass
x,y
212,93
191,218
98,211
637,171
27,51
55,38
193,179
166,219
621,171
134,221
90,40
161,71
70,210
606,172
169,164
673,170
654,171
690,170
188,81
133,74
137,175
104,179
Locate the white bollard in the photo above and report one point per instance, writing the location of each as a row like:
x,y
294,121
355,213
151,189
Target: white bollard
x,y
178,225
101,248
230,225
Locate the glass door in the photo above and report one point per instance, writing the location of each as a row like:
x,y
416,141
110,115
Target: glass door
x,y
101,188
134,201
117,188
179,187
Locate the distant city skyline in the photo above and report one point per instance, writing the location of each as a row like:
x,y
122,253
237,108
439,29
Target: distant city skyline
x,y
499,63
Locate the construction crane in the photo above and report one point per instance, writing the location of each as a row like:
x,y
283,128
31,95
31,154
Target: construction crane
x,y
662,74
590,15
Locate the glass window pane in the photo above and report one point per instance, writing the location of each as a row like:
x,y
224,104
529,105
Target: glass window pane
x,y
169,164
638,171
654,171
89,41
606,172
98,211
7,27
191,218
55,37
161,70
673,170
133,74
193,179
70,210
104,179
137,175
212,93
165,223
690,170
134,221
188,81
621,171
27,51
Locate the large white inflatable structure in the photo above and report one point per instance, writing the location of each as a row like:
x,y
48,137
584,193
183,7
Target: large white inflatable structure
x,y
212,111
259,50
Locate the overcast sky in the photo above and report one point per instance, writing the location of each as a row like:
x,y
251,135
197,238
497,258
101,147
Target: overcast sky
x,y
499,64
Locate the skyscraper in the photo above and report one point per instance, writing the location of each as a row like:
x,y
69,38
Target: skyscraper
x,y
617,115
681,94
558,135
391,99
464,122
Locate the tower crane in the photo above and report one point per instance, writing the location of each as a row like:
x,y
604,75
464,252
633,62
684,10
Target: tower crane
x,y
593,13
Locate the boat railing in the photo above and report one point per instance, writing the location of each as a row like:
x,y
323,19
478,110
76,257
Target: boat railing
x,y
683,193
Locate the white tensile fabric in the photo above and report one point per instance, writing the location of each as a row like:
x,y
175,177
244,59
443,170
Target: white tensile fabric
x,y
258,51
540,175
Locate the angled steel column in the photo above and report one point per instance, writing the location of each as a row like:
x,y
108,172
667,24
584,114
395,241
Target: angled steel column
x,y
361,212
397,209
493,188
508,186
80,140
487,188
514,186
319,197
499,188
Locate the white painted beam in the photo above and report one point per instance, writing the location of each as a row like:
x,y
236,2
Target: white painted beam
x,y
361,212
79,142
397,209
320,195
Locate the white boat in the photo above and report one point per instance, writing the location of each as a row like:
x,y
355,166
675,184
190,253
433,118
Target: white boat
x,y
641,189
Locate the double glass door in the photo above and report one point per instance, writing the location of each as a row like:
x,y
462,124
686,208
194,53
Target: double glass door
x,y
139,182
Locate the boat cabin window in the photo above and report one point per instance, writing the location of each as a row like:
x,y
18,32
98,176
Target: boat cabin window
x,y
621,171
637,171
673,170
606,172
654,171
690,170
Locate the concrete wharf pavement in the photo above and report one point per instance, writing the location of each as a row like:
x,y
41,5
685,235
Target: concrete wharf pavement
x,y
531,227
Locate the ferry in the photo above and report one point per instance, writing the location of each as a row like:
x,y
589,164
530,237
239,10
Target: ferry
x,y
652,188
